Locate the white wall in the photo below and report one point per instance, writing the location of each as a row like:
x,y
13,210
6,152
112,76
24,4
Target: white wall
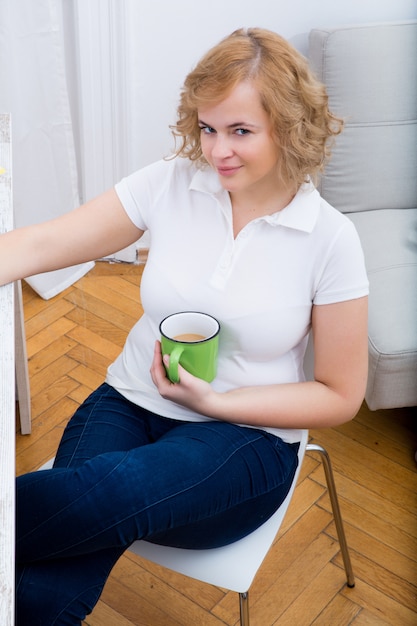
x,y
167,37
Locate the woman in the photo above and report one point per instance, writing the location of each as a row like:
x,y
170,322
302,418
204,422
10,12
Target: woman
x,y
237,231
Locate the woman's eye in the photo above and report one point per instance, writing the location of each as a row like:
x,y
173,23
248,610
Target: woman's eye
x,y
242,131
208,130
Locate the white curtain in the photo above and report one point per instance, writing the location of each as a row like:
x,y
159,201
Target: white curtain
x,y
105,63
101,67
33,88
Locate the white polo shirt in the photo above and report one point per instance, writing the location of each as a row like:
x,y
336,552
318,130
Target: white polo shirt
x,y
260,286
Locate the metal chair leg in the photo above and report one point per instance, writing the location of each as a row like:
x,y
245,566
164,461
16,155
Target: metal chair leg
x,y
244,608
328,471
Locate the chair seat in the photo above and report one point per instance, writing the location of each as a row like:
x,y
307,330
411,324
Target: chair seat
x,y
233,566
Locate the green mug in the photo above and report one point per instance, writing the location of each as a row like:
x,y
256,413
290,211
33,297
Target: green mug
x,y
192,340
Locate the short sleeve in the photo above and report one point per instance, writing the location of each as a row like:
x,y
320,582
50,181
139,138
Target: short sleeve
x,y
343,276
139,191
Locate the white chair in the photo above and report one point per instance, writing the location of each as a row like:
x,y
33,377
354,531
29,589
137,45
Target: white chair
x,y
234,567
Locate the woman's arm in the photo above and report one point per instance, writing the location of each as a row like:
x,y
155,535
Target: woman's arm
x,y
334,397
94,230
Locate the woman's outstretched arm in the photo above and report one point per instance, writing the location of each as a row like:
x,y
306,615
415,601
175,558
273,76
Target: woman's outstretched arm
x,y
92,231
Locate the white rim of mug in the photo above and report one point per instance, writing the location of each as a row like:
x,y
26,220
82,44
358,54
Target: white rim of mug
x,y
191,312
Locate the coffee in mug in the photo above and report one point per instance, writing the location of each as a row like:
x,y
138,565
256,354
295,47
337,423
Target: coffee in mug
x,y
191,339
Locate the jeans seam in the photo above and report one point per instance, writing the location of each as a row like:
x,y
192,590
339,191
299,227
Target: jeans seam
x,y
96,403
80,595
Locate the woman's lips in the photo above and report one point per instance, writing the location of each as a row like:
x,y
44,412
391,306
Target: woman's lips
x,y
228,171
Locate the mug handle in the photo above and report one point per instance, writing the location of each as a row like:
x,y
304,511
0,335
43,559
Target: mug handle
x,y
174,359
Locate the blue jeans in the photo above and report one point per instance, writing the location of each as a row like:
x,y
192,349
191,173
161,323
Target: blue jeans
x,y
122,473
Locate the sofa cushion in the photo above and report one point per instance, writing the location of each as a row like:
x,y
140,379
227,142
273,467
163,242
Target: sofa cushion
x,y
389,240
370,72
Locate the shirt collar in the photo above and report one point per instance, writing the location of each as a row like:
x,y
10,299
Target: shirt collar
x,y
300,214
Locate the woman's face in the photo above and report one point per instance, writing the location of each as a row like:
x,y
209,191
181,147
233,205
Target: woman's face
x,y
237,141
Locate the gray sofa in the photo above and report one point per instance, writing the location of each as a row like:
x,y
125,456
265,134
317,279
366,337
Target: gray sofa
x,y
370,71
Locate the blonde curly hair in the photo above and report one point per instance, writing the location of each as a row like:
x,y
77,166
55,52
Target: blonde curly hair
x,y
295,100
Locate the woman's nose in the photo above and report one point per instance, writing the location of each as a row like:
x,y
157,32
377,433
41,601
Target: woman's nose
x,y
222,147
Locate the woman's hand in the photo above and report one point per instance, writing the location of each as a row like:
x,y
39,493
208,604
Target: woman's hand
x,y
191,392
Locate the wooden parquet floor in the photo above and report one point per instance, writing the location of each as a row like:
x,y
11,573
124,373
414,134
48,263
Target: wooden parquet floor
x,y
70,341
